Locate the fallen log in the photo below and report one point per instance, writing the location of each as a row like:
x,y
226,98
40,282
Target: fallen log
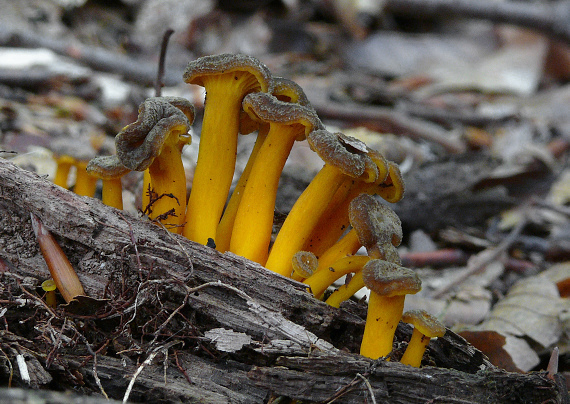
x,y
169,320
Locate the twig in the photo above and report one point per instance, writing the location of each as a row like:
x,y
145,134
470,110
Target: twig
x,y
94,355
160,74
179,366
386,119
552,18
496,252
367,383
10,367
147,362
138,71
23,368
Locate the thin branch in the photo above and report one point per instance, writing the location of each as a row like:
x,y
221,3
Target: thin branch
x,y
160,74
551,18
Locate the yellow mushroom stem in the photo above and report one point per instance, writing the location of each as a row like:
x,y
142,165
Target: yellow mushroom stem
x,y
85,183
168,183
416,348
64,164
49,287
346,291
302,219
383,316
224,229
335,220
349,244
61,271
325,277
216,156
253,224
145,192
113,193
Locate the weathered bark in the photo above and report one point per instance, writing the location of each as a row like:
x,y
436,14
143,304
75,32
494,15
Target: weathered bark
x,y
298,346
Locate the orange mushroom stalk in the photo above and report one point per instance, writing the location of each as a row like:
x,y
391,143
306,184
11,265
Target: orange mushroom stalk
x,y
375,226
388,284
110,170
61,271
74,153
227,79
49,287
288,122
344,157
426,327
335,220
284,90
154,141
346,291
64,164
322,279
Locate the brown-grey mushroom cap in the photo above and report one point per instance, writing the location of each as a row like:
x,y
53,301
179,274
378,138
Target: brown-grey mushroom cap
x,y
284,90
345,153
197,70
79,149
139,143
304,263
106,167
389,279
267,108
424,322
288,91
392,190
374,222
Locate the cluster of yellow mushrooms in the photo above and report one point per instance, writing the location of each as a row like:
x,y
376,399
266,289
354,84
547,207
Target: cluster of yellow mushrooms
x,y
333,218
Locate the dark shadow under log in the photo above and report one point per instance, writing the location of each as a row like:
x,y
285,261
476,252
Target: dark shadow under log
x,y
164,293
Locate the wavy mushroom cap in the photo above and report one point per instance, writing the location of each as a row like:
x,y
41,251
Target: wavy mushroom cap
x,y
388,279
267,108
346,153
424,322
139,143
106,167
288,91
392,189
284,90
78,149
304,263
374,222
200,70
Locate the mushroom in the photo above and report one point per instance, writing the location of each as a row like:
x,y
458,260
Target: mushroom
x,y
288,122
336,220
59,267
323,278
375,226
344,157
49,287
227,79
304,264
64,163
284,90
74,152
389,284
110,170
346,291
426,327
392,190
154,141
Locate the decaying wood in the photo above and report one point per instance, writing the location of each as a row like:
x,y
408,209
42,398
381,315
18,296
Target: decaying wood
x,y
299,346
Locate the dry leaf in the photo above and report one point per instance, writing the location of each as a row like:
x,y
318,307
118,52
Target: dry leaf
x,y
531,311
